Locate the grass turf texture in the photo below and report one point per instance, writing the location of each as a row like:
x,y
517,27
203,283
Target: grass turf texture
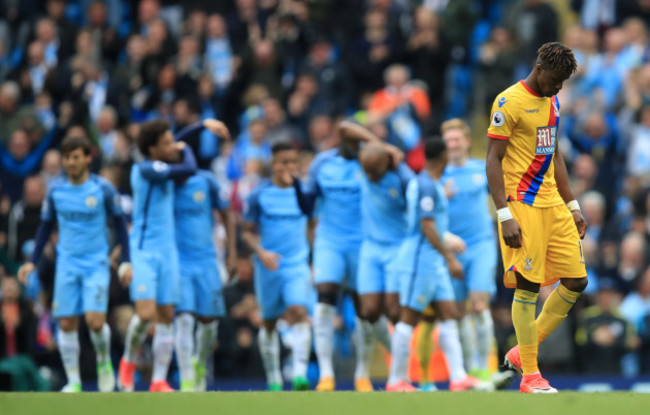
x,y
312,403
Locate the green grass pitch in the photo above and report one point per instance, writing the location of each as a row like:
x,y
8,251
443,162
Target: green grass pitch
x,y
312,403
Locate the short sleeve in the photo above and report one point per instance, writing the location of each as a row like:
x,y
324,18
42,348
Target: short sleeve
x,y
218,198
112,200
503,118
48,211
405,173
252,208
427,200
310,184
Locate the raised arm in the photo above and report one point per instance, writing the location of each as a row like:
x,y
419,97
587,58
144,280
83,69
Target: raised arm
x,y
509,227
216,127
157,171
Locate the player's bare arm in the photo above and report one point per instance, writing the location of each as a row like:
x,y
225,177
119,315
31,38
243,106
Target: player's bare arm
x,y
495,153
564,187
430,231
353,131
230,222
270,260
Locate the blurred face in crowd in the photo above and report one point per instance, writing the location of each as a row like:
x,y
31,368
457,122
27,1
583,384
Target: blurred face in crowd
x,y
216,26
584,167
273,113
76,163
375,20
34,191
106,121
264,52
457,143
55,9
595,126
615,40
35,53
320,128
608,299
19,145
188,46
46,31
593,208
182,112
84,43
397,76
52,162
284,166
137,48
148,11
10,290
8,98
320,53
636,30
158,32
97,14
375,161
167,78
632,249
257,131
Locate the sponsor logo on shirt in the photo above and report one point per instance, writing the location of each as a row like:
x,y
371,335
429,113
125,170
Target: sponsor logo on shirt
x,y
502,101
546,140
535,111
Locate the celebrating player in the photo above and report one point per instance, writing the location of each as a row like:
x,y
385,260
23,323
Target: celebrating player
x,y
201,297
156,284
282,282
539,219
423,269
469,219
334,181
81,203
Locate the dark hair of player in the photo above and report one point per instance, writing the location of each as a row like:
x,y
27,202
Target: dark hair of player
x,y
282,146
150,133
74,142
558,58
434,148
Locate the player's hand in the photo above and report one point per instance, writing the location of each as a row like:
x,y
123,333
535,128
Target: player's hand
x,y
125,273
512,234
180,146
217,128
581,223
270,260
231,263
114,257
455,268
455,243
24,271
396,155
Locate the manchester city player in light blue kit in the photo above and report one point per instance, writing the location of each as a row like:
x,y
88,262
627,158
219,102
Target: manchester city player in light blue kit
x,y
196,201
424,267
81,204
155,288
334,185
275,229
470,219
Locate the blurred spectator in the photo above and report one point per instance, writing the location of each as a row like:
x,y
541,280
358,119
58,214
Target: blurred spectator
x,y
534,22
632,257
25,216
218,52
105,38
13,115
107,133
51,167
636,309
603,335
18,371
279,129
398,92
498,59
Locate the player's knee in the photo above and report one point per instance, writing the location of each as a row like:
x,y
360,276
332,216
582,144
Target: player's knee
x,y
577,285
95,322
370,313
298,313
478,306
328,298
393,313
68,324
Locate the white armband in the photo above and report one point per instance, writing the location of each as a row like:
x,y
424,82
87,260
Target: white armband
x,y
573,205
504,214
124,266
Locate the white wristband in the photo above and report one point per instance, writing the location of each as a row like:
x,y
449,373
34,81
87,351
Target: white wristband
x,y
504,214
121,270
573,205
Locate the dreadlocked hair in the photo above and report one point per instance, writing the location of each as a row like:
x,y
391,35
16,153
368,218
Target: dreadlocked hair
x,y
557,57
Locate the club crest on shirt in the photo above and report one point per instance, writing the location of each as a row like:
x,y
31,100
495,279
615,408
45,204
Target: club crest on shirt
x,y
91,202
198,196
392,192
529,265
478,178
498,119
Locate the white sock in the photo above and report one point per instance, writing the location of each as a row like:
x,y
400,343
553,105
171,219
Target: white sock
x,y
484,327
206,337
450,345
301,348
136,334
400,352
467,341
381,332
270,350
324,337
69,350
163,348
102,342
365,347
184,344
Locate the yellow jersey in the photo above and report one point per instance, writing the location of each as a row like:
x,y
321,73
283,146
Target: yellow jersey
x,y
530,123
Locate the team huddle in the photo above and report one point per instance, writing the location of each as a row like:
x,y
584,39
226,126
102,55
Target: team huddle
x,y
409,248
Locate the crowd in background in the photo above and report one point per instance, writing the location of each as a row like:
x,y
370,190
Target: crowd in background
x,y
277,70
